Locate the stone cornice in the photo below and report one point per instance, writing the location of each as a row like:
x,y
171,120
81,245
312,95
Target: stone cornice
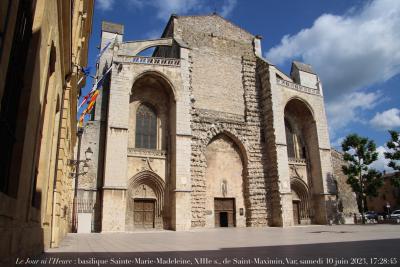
x,y
147,153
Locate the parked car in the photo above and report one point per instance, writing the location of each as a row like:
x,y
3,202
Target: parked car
x,y
371,215
395,214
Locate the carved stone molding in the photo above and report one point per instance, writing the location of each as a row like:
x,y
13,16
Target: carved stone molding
x,y
218,116
147,153
297,87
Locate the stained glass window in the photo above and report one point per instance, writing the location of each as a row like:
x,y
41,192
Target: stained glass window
x,y
146,127
289,140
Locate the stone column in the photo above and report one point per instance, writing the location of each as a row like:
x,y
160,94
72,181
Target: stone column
x,y
327,206
115,163
181,206
279,175
110,32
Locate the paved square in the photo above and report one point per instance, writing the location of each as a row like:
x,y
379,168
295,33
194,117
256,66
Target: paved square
x,y
308,245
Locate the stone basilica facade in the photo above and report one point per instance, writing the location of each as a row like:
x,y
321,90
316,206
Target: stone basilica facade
x,y
204,133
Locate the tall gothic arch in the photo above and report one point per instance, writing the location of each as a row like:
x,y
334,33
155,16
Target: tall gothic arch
x,y
225,180
304,159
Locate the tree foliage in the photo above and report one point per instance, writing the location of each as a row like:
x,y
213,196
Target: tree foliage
x,y
359,153
394,156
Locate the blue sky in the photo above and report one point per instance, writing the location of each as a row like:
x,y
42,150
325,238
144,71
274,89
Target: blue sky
x,y
353,45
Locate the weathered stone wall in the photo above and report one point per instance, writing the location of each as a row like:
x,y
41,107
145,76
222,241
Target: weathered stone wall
x,y
90,183
217,48
212,81
246,132
347,202
273,168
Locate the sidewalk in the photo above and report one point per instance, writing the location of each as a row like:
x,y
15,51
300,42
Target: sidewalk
x,y
214,239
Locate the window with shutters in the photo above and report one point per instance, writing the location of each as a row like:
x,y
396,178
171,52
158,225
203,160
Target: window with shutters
x,y
146,127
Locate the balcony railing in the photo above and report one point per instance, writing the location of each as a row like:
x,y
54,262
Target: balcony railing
x,y
297,87
85,205
174,62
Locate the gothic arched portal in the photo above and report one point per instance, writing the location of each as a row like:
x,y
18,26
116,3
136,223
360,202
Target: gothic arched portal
x,y
301,201
304,159
145,202
225,202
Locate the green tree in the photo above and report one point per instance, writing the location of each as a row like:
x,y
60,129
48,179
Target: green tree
x,y
394,156
359,153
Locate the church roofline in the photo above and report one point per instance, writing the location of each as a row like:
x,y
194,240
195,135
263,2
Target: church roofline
x,y
217,15
205,15
167,25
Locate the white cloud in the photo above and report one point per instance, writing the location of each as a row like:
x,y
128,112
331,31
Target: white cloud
x,y
338,143
382,162
167,7
105,4
348,108
349,52
389,119
228,7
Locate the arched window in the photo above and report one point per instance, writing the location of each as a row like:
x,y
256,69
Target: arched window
x,y
295,145
289,140
146,127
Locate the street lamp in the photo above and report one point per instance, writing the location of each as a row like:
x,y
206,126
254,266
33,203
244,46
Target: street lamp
x,y
88,155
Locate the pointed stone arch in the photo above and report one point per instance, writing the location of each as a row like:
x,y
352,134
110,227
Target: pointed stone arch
x,y
134,48
302,116
198,170
232,134
161,77
301,198
145,185
225,183
304,102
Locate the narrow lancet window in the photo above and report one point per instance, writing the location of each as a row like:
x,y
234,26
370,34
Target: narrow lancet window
x,y
289,140
146,127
